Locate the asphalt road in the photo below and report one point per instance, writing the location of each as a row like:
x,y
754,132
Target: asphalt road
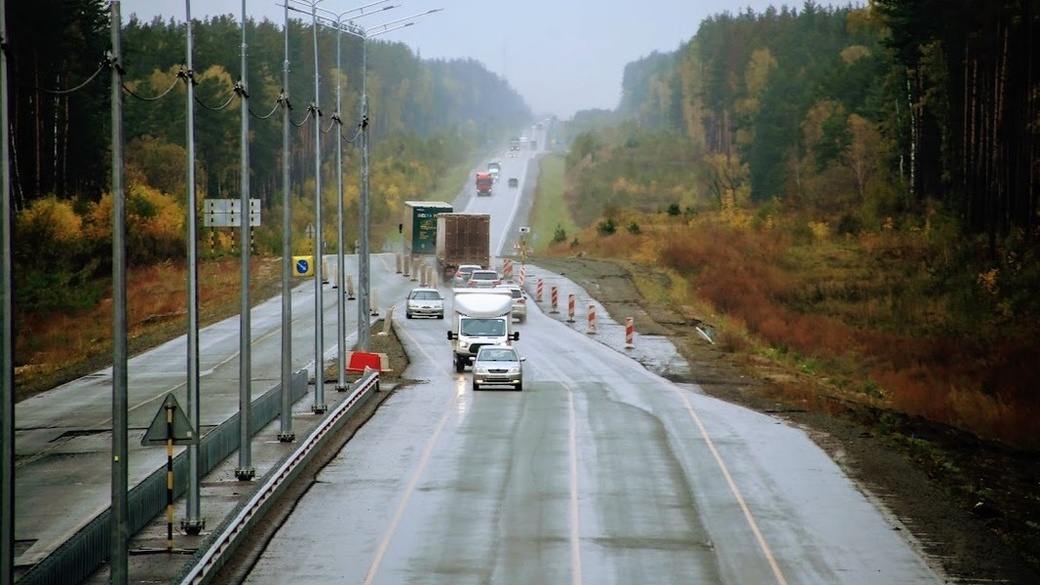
x,y
600,471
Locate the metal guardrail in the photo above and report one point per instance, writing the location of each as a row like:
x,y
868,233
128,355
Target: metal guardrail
x,y
215,551
87,550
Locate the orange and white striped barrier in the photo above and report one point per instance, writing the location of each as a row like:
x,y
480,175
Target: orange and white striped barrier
x,y
554,297
629,330
570,308
507,268
523,271
592,320
538,291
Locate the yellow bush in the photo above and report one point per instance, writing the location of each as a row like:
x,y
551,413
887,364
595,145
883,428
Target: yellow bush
x,y
51,218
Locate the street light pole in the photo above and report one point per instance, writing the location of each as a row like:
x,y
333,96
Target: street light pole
x,y
319,321
364,269
285,433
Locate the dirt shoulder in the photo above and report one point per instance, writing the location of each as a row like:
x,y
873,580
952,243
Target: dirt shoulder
x,y
972,507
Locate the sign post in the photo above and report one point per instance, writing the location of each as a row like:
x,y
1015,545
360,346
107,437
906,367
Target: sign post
x,y
170,427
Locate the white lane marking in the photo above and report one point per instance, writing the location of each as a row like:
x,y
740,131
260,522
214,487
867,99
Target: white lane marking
x,y
762,544
384,544
575,537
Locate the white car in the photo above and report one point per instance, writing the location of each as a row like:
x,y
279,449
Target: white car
x,y
498,365
519,300
462,274
424,302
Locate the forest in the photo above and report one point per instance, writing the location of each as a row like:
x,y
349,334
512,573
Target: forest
x,y
853,190
424,117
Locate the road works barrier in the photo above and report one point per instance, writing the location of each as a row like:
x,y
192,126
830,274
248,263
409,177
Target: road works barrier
x,y
554,297
592,320
350,288
507,269
570,308
629,331
397,258
523,271
538,291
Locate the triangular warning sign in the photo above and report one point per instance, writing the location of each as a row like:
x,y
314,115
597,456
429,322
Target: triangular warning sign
x,y
162,427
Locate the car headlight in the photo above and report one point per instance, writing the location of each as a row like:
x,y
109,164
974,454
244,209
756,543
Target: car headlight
x,y
514,370
480,371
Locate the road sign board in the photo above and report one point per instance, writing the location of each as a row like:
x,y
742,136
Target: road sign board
x,y
160,429
228,213
303,266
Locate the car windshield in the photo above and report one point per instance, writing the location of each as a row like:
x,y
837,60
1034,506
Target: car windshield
x,y
484,327
426,295
498,355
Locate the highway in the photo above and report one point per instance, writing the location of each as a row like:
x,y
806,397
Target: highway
x,y
599,472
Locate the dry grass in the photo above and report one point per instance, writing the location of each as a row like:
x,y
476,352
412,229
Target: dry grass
x,y
857,314
51,350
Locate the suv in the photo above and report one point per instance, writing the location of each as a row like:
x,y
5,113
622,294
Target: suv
x,y
484,279
462,274
519,301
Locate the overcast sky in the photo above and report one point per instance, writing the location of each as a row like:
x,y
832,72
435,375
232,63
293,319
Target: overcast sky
x,y
560,55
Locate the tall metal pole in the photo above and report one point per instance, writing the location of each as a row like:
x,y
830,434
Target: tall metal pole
x,y
364,333
120,531
245,469
6,328
192,523
319,305
341,311
285,433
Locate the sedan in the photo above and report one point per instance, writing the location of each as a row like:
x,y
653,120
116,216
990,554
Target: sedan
x,y
462,274
519,301
498,365
426,302
484,279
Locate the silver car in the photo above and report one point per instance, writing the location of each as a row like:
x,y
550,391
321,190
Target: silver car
x,y
462,274
498,365
484,279
519,300
424,302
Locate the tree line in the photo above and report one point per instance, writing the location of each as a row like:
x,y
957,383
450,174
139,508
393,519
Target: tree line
x,y
60,94
878,111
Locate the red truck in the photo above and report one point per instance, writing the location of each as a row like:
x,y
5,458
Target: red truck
x,y
484,182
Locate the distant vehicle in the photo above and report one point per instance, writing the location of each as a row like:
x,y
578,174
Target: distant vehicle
x,y
514,144
462,274
514,182
484,279
519,300
462,238
498,366
495,169
480,317
484,182
424,302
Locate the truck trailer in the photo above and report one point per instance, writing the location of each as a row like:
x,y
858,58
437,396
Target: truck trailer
x,y
419,226
462,238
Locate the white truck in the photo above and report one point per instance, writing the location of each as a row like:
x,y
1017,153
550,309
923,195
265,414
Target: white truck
x,y
479,317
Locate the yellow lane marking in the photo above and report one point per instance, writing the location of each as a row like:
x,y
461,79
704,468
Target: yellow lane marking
x,y
777,573
384,544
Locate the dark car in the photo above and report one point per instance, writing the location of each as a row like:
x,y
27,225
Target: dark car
x,y
514,182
